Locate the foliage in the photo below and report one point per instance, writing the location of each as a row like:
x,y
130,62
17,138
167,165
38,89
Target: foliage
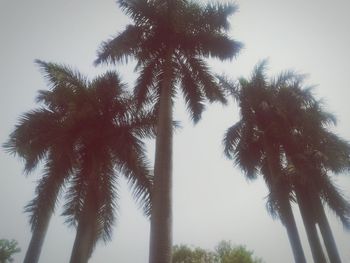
x,y
283,114
169,41
224,252
284,135
186,254
227,253
7,249
87,134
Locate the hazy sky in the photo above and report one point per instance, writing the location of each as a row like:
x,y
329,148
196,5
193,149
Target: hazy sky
x,y
212,200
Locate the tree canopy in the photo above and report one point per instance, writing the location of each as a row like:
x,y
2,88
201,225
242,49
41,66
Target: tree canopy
x,y
7,249
224,252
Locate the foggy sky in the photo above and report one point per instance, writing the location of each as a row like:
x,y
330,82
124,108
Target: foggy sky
x,y
212,199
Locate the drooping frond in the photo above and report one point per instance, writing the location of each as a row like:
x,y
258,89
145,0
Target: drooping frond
x,y
336,201
74,196
121,47
56,173
248,153
230,86
192,93
133,164
108,210
209,85
232,138
215,45
33,136
146,81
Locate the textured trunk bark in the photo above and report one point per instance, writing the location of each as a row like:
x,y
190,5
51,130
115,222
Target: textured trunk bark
x,y
161,216
309,220
287,216
292,231
326,232
37,240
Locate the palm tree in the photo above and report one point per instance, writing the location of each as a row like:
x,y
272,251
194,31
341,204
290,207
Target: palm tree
x,y
169,39
295,135
313,188
88,135
253,143
312,150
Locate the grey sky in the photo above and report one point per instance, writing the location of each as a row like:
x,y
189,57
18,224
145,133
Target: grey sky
x,y
212,200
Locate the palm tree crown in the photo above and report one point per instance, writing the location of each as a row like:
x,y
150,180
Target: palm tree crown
x,y
176,35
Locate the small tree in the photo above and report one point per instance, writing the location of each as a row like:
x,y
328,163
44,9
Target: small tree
x,y
227,253
7,249
224,252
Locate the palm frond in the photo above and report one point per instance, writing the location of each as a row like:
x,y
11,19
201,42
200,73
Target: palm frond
x,y
192,93
62,76
56,173
141,12
121,47
215,15
36,132
336,201
146,81
133,164
209,85
230,86
216,45
75,196
232,138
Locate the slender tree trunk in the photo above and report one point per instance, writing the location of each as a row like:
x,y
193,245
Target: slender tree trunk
x,y
327,234
286,214
82,247
292,231
309,220
161,216
84,239
37,240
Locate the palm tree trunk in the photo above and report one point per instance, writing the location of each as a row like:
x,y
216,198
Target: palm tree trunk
x,y
326,232
309,220
161,216
37,240
82,247
84,239
286,212
292,231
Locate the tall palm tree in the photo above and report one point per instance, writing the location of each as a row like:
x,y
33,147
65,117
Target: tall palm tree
x,y
295,125
253,143
313,151
169,39
314,188
87,134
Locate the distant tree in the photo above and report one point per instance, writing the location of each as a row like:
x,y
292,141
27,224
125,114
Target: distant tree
x,y
224,252
7,249
227,253
186,254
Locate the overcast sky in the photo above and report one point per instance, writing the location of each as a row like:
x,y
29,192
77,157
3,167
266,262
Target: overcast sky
x,y
212,200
